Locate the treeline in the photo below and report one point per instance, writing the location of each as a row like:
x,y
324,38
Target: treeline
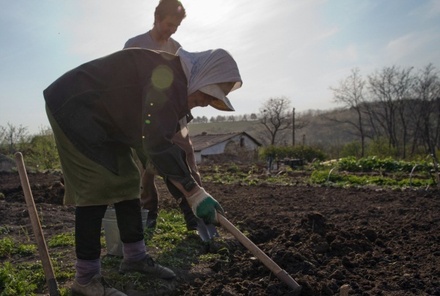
x,y
229,118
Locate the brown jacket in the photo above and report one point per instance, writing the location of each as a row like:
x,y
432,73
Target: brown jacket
x,y
133,98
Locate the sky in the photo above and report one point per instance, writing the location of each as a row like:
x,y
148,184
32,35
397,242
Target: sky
x,y
297,49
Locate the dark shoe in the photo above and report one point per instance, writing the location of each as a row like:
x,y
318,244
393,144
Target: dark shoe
x,y
151,223
96,287
147,266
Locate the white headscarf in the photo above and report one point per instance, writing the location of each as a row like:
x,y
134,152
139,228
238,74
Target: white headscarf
x,y
209,67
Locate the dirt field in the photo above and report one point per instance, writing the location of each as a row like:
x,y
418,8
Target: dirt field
x,y
379,242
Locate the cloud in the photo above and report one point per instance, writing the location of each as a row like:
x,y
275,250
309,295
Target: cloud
x,y
400,47
96,29
433,9
411,47
349,54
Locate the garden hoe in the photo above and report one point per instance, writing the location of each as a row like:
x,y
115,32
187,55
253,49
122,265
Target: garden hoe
x,y
36,226
206,232
280,273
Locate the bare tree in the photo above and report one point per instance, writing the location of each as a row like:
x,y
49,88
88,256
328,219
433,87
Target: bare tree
x,y
275,115
351,94
2,134
389,89
427,92
403,89
12,136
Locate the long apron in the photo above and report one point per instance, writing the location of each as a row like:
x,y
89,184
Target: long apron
x,y
87,183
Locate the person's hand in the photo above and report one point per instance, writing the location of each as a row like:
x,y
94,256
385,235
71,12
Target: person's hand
x,y
205,206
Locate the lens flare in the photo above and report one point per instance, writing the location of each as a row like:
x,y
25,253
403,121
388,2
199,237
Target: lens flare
x,y
162,77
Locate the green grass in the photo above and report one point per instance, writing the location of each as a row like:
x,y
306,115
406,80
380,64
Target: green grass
x,y
348,172
176,246
344,179
62,240
172,244
18,280
8,247
28,278
231,174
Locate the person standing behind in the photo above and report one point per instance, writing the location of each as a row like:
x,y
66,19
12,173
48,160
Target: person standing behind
x,y
168,16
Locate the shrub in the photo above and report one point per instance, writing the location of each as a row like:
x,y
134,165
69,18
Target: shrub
x,y
352,149
306,153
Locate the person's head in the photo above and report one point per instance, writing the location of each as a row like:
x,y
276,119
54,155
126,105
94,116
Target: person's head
x,y
213,95
211,75
167,18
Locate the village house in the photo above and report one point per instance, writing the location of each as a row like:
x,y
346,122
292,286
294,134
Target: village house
x,y
238,146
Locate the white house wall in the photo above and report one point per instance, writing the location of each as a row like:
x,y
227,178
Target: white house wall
x,y
198,156
215,149
249,144
220,147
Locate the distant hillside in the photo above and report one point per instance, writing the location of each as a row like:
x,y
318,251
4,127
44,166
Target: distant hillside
x,y
319,130
253,128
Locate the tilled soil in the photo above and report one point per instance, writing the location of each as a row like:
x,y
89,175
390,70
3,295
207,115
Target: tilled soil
x,y
376,241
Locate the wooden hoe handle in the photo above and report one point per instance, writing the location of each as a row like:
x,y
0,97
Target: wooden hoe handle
x,y
269,263
36,226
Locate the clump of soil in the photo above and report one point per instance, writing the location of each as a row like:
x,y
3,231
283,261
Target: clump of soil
x,y
379,242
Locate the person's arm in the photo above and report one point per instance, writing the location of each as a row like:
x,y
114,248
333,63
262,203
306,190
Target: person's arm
x,y
172,166
185,143
162,110
202,203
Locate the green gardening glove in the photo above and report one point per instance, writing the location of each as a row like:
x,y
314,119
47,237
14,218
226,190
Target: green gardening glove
x,y
205,206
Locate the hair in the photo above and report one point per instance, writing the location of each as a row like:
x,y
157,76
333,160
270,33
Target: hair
x,y
169,7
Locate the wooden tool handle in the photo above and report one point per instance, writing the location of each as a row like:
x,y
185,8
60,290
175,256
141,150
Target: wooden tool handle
x,y
36,226
269,263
